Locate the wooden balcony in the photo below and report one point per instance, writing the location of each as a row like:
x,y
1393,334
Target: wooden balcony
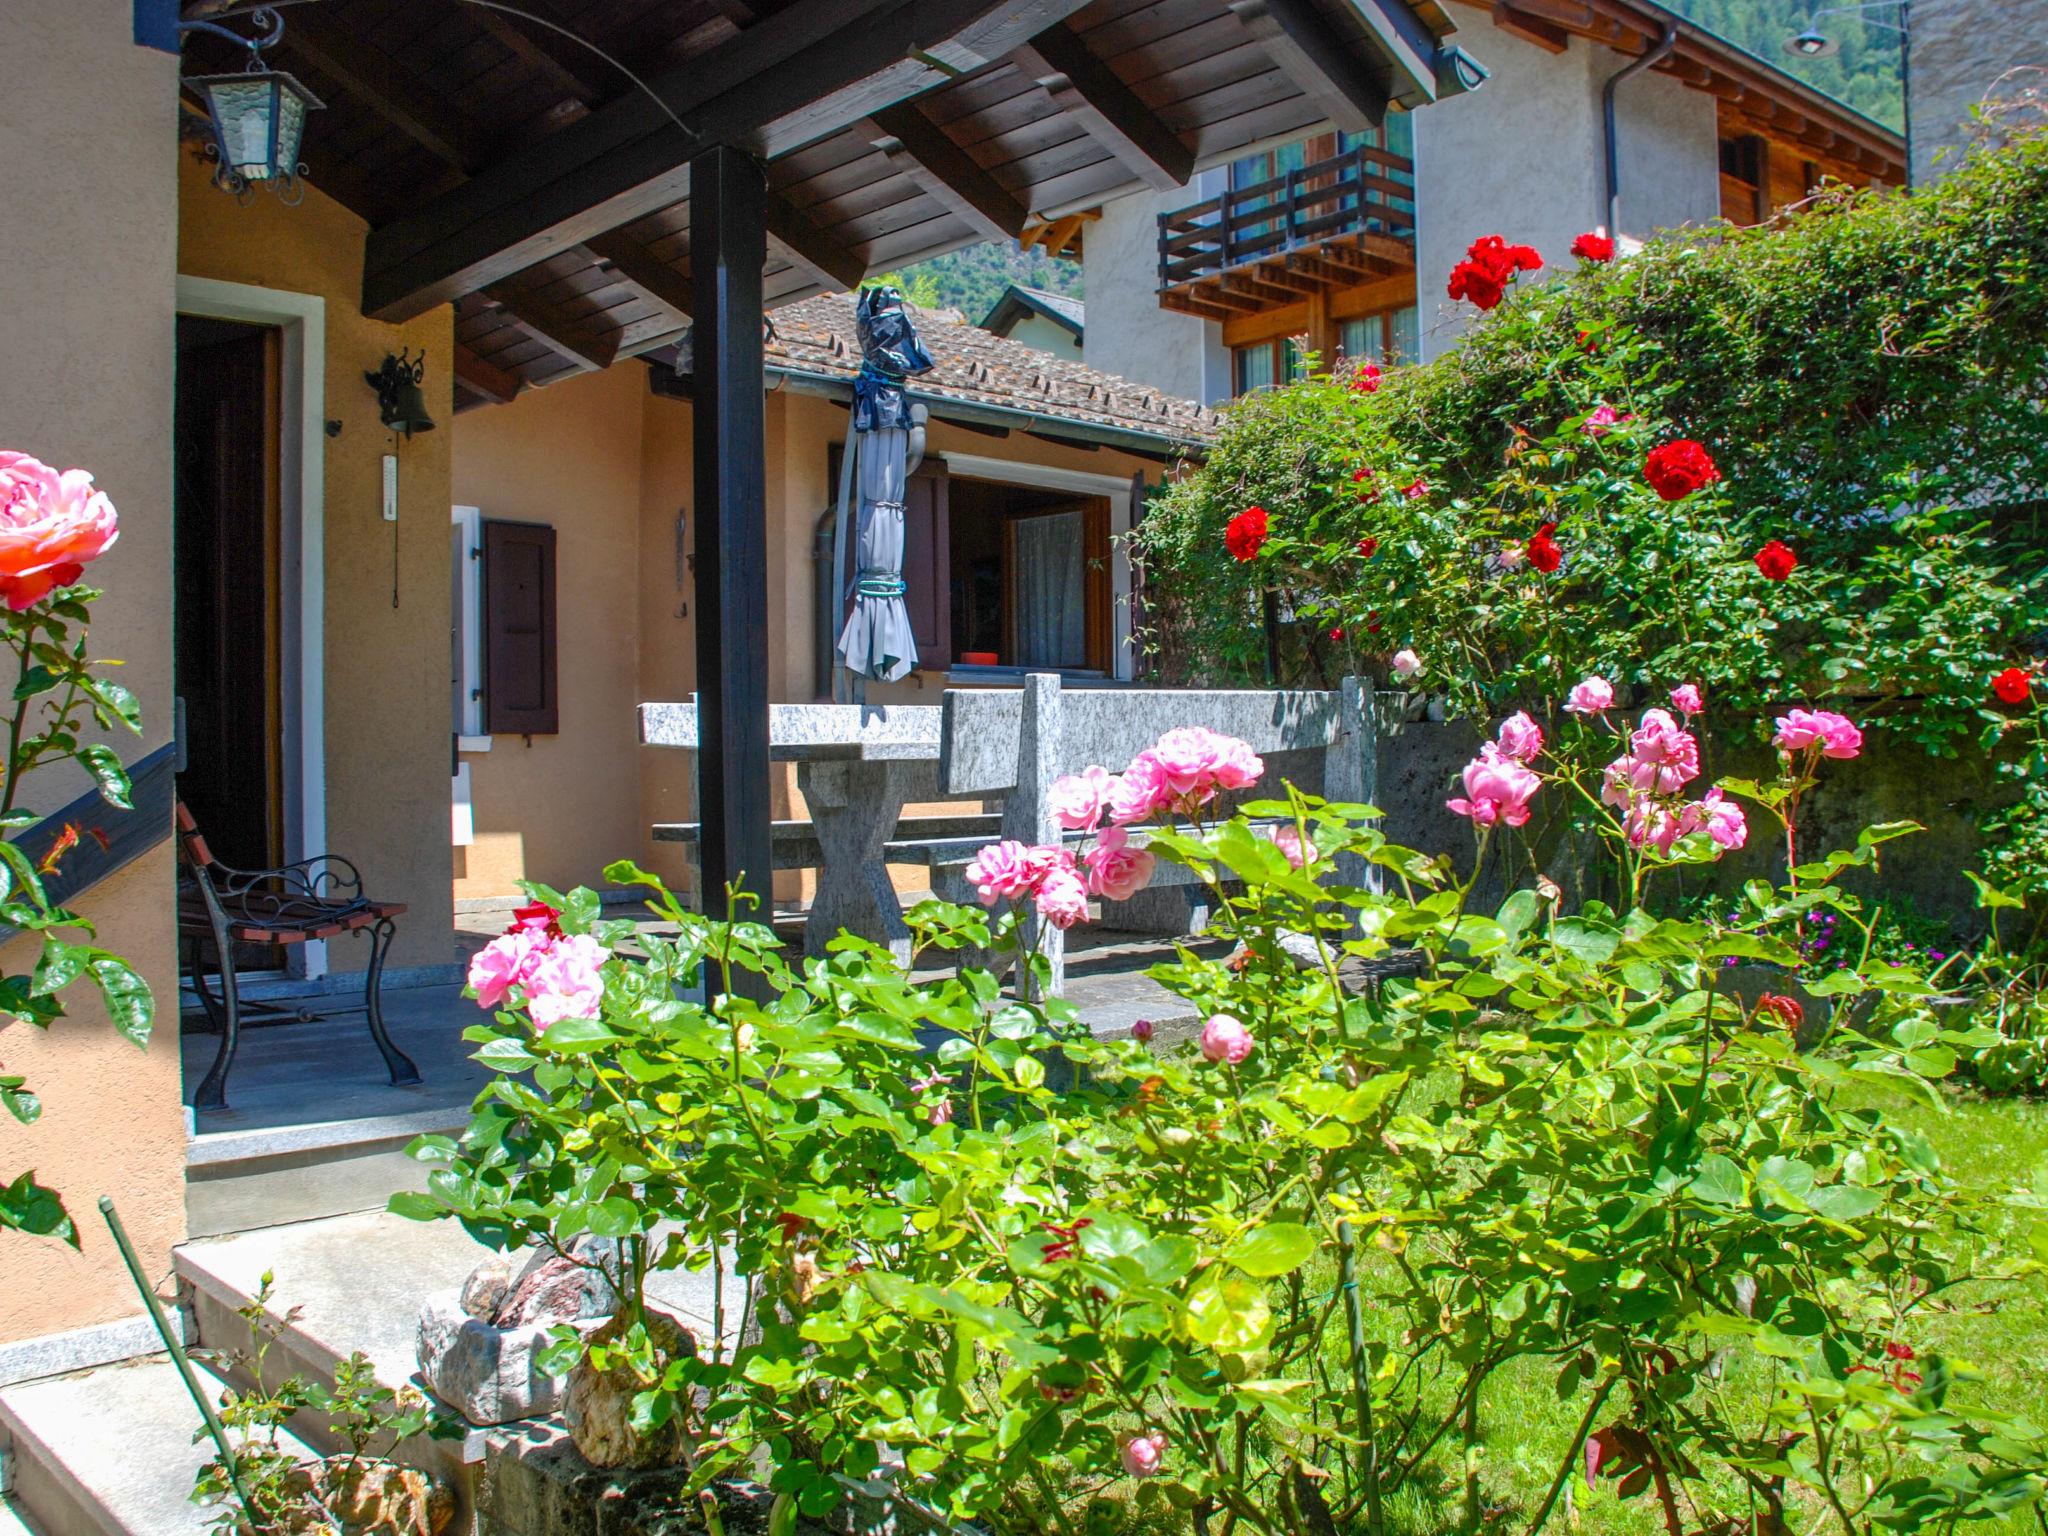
x,y
1329,226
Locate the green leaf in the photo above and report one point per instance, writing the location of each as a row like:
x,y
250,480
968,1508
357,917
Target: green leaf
x,y
1718,1181
26,1206
129,1002
1277,1248
1227,1312
1588,940
37,679
576,1037
104,764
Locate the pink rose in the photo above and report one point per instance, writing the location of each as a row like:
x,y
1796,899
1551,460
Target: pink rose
x,y
1618,783
1833,734
1497,789
1115,869
1653,824
1075,800
1142,1031
1289,841
1667,756
1685,698
1601,418
51,525
1062,898
567,983
1725,822
504,963
1137,792
1520,737
1225,1039
1003,871
1236,766
1511,557
941,1111
1406,663
1142,1454
1187,758
1591,697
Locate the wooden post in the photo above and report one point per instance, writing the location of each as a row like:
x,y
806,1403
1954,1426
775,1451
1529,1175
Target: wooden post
x,y
728,245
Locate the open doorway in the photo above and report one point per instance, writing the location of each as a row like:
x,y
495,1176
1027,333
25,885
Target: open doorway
x,y
226,619
1031,578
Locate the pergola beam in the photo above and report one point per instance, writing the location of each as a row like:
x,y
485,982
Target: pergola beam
x,y
495,384
656,279
1085,88
388,88
793,77
1304,47
552,327
799,240
922,150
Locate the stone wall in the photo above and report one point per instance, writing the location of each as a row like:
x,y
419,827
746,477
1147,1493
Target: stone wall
x,y
1959,50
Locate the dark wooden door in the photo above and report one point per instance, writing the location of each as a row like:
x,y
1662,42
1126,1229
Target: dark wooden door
x,y
225,618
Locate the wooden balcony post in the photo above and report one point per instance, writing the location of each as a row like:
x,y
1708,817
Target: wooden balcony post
x,y
728,245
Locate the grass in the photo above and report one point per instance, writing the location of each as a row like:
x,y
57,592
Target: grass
x,y
2001,1332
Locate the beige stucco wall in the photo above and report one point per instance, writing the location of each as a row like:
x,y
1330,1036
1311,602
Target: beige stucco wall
x,y
1047,336
386,662
88,126
1128,334
567,456
1960,48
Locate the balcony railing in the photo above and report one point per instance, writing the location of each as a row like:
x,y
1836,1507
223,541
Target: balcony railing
x,y
1364,192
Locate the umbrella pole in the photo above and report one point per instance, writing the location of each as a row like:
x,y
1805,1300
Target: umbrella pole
x,y
840,687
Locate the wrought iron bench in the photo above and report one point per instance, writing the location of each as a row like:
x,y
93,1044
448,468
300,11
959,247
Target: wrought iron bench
x,y
319,898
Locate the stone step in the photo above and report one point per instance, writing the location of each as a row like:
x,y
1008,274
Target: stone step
x,y
108,1452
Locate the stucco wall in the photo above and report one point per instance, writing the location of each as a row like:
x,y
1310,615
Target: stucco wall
x,y
1037,331
88,126
1669,138
1959,49
568,456
386,662
1129,335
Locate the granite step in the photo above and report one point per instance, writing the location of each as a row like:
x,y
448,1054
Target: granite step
x,y
107,1452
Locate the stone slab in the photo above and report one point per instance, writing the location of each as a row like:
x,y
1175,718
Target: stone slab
x,y
874,730
982,727
54,1354
109,1452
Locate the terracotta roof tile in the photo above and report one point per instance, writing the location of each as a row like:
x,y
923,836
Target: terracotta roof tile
x,y
816,336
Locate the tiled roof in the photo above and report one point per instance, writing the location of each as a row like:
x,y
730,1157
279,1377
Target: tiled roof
x,y
1018,301
816,337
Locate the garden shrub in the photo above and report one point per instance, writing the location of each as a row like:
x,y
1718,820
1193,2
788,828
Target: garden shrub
x,y
1793,463
1269,1283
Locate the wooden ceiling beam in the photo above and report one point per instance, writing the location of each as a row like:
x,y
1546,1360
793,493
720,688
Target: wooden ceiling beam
x,y
802,243
654,278
552,328
926,153
495,384
571,77
795,76
1515,21
1305,48
1085,88
388,88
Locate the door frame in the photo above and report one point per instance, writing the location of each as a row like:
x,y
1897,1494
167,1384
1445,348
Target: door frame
x,y
1114,489
301,321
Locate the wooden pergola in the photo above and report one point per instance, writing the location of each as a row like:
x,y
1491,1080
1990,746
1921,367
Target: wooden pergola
x,y
707,160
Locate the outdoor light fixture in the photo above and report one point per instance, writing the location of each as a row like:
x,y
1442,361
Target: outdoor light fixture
x,y
1812,44
258,116
400,405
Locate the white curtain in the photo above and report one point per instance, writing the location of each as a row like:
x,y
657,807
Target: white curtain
x,y
1052,616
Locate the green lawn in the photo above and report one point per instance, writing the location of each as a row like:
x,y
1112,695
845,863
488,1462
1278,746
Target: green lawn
x,y
1997,1145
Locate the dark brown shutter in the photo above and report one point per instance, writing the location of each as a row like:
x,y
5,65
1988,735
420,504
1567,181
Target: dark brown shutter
x,y
519,630
928,565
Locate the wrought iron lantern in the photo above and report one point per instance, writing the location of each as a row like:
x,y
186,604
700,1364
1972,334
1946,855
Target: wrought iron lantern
x,y
258,116
400,405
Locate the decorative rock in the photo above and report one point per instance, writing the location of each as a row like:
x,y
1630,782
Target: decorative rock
x,y
478,1348
597,1407
484,1291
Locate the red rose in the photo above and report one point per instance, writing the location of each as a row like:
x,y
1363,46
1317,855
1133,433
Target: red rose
x,y
1490,264
2013,685
1786,1010
1365,378
1416,488
1776,560
1593,246
1360,475
1337,632
1676,469
1368,546
1246,533
537,917
1543,550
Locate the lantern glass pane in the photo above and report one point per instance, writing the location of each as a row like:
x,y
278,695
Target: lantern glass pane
x,y
291,129
245,110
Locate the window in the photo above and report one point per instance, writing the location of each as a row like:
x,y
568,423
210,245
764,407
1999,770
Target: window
x,y
1389,337
519,630
1030,578
1263,363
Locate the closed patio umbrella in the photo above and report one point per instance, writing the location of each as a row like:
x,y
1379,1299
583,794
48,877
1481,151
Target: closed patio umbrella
x,y
885,444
